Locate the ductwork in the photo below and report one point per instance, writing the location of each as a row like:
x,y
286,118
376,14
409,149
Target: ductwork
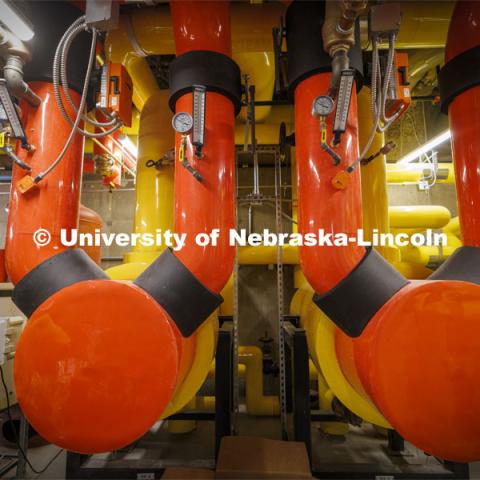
x,y
409,347
99,360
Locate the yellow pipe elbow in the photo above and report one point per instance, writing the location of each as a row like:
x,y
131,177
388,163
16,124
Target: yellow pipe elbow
x,y
257,403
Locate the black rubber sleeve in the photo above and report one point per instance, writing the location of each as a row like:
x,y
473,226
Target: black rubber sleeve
x,y
213,70
462,265
359,296
306,56
459,75
59,271
188,302
50,21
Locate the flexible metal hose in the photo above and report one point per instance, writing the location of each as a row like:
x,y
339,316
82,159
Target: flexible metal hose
x,y
83,100
60,77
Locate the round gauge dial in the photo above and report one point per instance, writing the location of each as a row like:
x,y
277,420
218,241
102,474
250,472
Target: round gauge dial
x,y
182,122
322,106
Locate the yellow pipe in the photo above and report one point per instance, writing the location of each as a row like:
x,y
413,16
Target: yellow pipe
x,y
374,185
419,216
250,359
401,173
267,255
257,403
154,194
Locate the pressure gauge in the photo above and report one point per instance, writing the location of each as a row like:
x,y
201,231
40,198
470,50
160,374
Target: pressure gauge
x,y
182,122
322,106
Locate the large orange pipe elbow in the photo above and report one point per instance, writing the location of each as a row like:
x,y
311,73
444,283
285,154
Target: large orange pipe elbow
x,y
88,373
417,358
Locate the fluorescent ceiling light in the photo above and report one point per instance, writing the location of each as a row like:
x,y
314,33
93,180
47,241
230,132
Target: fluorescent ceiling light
x,y
129,146
430,145
15,21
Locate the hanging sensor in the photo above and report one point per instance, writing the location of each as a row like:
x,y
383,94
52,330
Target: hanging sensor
x,y
9,116
198,132
343,104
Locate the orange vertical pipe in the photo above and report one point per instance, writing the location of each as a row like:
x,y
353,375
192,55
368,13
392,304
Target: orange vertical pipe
x,y
464,117
202,207
97,362
54,203
320,205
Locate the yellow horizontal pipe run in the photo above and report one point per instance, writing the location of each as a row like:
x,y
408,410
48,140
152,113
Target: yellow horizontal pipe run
x,y
419,216
266,255
405,173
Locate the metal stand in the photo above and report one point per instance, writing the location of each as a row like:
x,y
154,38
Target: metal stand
x,y
298,403
76,463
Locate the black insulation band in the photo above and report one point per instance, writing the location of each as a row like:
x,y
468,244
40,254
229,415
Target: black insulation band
x,y
188,302
306,56
462,265
50,21
358,297
52,275
215,71
459,75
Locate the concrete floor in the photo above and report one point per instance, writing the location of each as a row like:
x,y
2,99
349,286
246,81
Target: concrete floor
x,y
363,449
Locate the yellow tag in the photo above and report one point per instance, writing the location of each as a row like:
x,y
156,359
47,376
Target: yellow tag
x,y
181,152
324,136
2,140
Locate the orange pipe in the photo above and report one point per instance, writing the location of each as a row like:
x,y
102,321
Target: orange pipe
x,y
88,373
90,221
201,207
43,207
320,205
464,117
201,25
418,358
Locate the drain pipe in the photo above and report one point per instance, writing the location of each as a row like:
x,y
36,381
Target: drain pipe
x,y
387,327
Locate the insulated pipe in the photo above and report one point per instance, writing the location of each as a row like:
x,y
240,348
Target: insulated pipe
x,y
388,326
464,117
154,185
201,207
89,222
340,212
77,319
49,208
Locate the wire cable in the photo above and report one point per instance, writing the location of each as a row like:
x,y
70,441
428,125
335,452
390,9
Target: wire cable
x,y
91,60
15,435
60,79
